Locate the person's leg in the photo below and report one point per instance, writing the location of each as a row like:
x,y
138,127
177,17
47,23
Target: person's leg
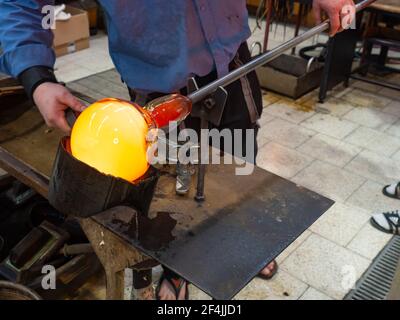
x,y
392,190
242,110
171,286
388,222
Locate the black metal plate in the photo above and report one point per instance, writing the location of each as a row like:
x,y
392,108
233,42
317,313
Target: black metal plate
x,y
221,244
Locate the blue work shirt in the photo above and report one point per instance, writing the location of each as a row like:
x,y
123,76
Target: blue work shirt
x,y
156,45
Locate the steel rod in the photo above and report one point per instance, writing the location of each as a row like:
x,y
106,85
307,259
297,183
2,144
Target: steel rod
x,y
205,91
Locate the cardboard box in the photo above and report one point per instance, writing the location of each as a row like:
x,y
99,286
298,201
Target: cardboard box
x,y
71,35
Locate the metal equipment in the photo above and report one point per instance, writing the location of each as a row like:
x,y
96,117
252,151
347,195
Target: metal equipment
x,y
209,101
30,254
13,291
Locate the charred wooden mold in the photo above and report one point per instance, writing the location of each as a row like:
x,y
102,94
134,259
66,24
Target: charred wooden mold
x,y
79,190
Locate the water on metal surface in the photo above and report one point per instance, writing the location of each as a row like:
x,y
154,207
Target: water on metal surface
x,y
221,244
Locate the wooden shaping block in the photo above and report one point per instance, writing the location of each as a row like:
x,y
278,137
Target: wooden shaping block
x,y
79,190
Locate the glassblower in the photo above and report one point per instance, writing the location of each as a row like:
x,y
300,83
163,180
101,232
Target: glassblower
x,y
110,138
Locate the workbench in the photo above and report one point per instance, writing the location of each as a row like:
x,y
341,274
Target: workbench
x,y
388,6
218,245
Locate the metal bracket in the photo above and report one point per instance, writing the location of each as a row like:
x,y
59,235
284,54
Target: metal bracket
x,y
209,110
212,107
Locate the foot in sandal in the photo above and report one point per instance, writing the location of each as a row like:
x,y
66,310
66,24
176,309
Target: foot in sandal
x,y
269,271
388,222
392,190
172,287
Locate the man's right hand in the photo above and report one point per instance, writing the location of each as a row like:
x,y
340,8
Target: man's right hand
x,y
52,100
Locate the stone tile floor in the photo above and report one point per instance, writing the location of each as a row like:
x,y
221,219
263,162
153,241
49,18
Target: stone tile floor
x,y
347,149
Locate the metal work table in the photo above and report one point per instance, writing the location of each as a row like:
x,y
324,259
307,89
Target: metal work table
x,y
219,245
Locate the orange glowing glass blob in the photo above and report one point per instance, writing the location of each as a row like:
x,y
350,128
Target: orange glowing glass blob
x,y
173,107
110,135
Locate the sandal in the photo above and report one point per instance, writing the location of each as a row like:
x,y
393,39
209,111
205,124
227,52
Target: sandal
x,y
388,222
395,194
272,274
175,281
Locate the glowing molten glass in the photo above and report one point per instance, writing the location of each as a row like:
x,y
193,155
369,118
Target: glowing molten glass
x,y
173,107
110,135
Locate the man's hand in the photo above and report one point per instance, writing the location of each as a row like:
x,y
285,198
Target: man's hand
x,y
340,12
53,100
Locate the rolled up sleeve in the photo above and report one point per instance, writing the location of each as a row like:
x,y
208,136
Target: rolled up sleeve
x,y
25,43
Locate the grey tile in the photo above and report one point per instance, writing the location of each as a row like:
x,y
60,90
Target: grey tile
x,y
72,72
282,161
371,118
374,167
262,141
324,265
288,111
340,91
369,242
286,133
82,89
366,99
314,294
282,286
330,125
103,85
394,130
390,93
330,150
107,89
369,197
379,142
333,106
196,294
96,66
112,76
364,86
329,180
396,156
340,223
265,118
393,108
293,246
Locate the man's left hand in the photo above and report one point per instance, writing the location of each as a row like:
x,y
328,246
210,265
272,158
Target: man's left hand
x,y
341,13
